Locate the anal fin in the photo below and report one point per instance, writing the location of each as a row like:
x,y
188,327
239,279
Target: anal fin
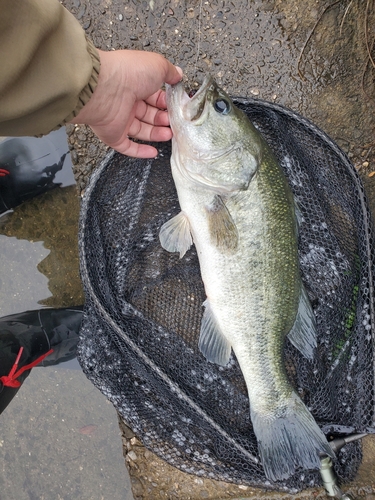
x,y
303,333
212,343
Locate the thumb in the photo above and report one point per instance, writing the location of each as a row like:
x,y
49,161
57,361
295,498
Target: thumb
x,y
174,74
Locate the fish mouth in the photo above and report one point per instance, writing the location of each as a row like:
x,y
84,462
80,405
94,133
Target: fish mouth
x,y
191,108
195,106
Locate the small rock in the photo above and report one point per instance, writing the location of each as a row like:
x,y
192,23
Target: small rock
x,y
87,168
69,127
132,455
120,17
128,433
74,157
81,12
137,487
134,441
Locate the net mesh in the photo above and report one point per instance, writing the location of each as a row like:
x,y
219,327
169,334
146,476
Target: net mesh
x,y
139,339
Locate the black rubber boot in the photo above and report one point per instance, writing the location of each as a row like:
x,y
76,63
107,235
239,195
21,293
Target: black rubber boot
x,y
27,338
28,167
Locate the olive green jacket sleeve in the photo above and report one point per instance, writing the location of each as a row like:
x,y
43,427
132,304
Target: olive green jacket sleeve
x,y
48,69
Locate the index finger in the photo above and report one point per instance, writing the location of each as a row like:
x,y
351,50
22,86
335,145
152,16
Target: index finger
x,y
157,100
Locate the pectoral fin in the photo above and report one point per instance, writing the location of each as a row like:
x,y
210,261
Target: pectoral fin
x,y
175,235
212,343
223,230
303,333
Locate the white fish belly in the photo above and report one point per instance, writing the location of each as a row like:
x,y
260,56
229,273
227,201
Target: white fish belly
x,y
243,291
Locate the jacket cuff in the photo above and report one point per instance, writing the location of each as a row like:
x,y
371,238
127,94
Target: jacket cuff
x,y
86,93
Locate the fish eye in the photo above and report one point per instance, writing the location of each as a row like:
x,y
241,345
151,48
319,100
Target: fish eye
x,y
222,106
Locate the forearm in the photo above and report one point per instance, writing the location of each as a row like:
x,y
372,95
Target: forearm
x,y
48,69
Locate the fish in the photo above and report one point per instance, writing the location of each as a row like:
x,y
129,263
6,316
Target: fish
x,y
238,210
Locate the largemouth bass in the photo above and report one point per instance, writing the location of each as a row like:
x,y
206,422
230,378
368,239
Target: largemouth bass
x,y
238,210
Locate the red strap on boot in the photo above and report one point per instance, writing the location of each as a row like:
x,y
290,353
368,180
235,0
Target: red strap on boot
x,y
10,380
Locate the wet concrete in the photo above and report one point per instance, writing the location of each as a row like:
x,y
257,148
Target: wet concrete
x,y
59,436
39,237
47,226
309,56
59,439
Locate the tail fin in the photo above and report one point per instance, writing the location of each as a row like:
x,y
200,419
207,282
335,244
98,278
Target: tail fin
x,y
289,438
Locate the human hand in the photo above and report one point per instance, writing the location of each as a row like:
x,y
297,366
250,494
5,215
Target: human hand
x,y
127,101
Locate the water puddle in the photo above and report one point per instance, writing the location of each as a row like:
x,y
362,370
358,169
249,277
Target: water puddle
x,y
59,437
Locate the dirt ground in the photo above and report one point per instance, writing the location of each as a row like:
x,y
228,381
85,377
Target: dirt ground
x,y
312,57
